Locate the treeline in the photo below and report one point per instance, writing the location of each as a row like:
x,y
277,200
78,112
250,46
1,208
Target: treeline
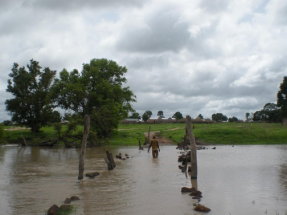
x,y
271,112
96,91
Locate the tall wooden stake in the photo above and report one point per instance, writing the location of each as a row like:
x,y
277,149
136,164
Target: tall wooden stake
x,y
192,148
84,145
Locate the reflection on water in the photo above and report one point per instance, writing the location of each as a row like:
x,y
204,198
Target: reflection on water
x,y
233,180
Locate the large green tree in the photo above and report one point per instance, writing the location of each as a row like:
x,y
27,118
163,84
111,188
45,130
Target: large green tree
x,y
160,114
97,91
219,117
30,88
177,115
135,115
282,99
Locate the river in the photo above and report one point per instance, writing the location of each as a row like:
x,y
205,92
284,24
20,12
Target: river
x,y
233,181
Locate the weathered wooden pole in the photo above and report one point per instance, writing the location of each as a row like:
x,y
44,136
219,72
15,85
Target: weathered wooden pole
x,y
193,157
84,145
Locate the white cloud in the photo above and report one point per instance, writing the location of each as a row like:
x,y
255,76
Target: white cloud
x,y
189,56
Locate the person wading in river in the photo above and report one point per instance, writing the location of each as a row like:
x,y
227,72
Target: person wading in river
x,y
155,147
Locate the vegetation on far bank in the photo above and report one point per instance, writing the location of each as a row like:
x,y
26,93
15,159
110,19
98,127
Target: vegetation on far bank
x,y
212,133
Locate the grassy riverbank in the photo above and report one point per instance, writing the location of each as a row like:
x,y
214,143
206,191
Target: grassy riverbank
x,y
214,133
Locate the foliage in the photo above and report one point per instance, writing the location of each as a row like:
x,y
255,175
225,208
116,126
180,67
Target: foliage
x,y
135,115
146,115
160,114
2,133
270,113
56,117
200,116
233,119
177,115
282,97
247,116
7,123
219,117
94,91
31,105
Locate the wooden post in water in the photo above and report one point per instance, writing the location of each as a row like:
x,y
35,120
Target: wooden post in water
x,y
84,145
192,148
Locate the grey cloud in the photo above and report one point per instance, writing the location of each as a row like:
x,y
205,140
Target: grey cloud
x,y
214,6
64,5
278,10
163,33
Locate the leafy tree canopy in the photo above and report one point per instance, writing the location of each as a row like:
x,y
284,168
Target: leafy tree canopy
x,y
233,119
200,116
31,105
219,117
149,113
282,99
160,114
177,115
97,91
145,117
7,123
269,113
135,115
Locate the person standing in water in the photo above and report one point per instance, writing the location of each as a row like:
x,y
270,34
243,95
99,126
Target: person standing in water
x,y
155,147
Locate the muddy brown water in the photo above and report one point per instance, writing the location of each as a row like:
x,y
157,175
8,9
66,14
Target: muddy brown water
x,y
233,180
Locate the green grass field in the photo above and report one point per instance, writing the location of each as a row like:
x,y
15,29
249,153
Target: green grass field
x,y
214,133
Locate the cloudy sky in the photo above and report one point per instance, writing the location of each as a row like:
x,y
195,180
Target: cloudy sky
x,y
195,57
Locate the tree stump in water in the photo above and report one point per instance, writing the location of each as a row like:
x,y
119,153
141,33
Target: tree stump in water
x,y
110,160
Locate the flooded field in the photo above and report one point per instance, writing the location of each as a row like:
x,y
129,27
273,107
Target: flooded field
x,y
233,180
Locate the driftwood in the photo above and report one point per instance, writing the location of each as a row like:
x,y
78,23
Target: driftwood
x,y
84,145
110,160
193,156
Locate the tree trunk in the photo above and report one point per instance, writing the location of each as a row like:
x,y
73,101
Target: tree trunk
x,y
84,145
192,149
110,160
